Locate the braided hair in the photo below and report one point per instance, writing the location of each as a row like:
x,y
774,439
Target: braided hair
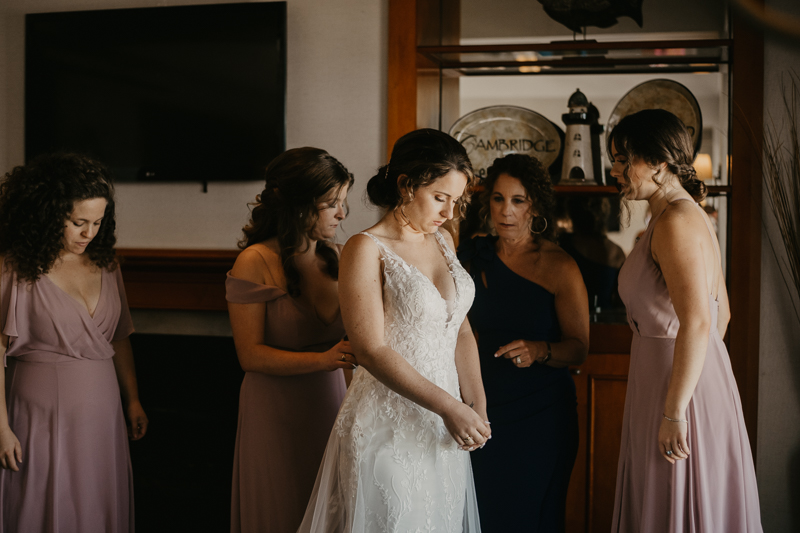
x,y
296,181
657,136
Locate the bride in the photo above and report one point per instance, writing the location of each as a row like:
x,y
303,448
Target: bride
x,y
395,460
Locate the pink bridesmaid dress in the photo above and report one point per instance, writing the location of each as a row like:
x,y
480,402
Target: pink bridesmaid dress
x,y
715,488
284,421
64,407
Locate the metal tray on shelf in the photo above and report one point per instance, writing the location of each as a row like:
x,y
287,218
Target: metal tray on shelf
x,y
496,131
662,94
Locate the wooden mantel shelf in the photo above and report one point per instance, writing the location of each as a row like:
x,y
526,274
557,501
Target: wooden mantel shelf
x,y
189,280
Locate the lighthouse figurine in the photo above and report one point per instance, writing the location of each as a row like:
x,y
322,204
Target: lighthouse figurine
x,y
578,167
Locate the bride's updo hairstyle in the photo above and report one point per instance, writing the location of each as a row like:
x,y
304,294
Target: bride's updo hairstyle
x,y
296,182
656,136
418,159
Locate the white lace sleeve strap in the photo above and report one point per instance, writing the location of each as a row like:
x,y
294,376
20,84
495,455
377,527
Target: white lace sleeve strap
x,y
378,243
448,252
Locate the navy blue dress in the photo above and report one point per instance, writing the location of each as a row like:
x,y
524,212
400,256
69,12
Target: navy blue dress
x,y
522,474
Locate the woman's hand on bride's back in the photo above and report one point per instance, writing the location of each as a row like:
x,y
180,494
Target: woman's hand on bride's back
x,y
466,426
339,356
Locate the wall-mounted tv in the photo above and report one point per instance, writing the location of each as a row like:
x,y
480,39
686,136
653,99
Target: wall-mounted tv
x,y
160,94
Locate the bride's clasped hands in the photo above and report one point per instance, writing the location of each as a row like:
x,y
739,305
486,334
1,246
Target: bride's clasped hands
x,y
468,428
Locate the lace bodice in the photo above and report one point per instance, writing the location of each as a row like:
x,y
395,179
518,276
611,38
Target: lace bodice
x,y
391,465
419,324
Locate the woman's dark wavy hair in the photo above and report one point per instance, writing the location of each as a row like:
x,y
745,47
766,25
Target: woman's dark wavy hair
x,y
296,181
534,179
420,157
36,201
657,136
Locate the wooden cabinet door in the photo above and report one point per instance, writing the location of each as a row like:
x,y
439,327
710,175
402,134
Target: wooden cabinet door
x,y
601,383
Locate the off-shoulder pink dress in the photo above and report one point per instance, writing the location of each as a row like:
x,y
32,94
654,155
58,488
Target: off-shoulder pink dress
x,y
64,407
284,421
715,488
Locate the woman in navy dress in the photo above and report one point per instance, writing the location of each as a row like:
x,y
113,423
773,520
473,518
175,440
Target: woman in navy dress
x,y
532,322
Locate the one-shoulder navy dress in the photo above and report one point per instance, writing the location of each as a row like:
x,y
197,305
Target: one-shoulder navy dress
x,y
522,474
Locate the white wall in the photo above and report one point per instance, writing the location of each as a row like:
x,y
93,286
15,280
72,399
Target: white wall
x,y
336,100
778,460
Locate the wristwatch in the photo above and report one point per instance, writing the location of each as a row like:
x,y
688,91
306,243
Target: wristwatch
x,y
548,356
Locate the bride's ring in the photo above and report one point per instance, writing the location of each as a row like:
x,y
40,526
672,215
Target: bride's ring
x,y
518,359
467,439
343,358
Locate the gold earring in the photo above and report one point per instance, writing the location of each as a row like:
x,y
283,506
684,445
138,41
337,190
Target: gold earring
x,y
530,225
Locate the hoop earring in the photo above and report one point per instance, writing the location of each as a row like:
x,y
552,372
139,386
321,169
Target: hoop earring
x,y
530,225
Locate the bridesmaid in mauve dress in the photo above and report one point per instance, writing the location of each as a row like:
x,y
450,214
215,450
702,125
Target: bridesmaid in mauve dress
x,y
283,300
64,324
685,463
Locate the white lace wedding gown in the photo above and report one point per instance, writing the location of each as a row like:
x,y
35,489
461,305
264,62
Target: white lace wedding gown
x,y
391,465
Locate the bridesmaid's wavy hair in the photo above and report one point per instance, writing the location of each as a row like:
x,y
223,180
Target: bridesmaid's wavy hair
x,y
657,136
534,178
35,202
296,182
418,159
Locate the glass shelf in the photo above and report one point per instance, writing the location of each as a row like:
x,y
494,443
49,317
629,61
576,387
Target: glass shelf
x,y
713,190
579,57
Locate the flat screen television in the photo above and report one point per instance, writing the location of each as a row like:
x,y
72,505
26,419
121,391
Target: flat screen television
x,y
160,94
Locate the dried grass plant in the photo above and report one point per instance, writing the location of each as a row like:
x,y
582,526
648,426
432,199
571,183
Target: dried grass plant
x,y
781,166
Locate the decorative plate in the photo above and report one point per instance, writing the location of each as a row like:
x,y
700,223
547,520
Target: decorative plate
x,y
497,131
662,94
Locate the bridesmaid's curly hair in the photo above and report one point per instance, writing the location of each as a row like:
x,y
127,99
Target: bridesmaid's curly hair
x,y
534,179
38,198
296,181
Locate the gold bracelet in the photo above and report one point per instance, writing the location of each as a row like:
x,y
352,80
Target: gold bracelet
x,y
675,419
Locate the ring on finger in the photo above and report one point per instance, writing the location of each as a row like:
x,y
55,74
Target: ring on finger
x,y
518,360
669,452
343,357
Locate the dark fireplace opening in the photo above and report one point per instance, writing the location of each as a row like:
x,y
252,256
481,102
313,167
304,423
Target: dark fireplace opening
x,y
189,388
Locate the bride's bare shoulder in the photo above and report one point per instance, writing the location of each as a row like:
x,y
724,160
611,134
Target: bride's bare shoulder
x,y
359,247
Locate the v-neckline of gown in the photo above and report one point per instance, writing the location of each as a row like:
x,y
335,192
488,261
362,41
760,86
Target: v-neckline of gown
x,y
75,300
429,280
